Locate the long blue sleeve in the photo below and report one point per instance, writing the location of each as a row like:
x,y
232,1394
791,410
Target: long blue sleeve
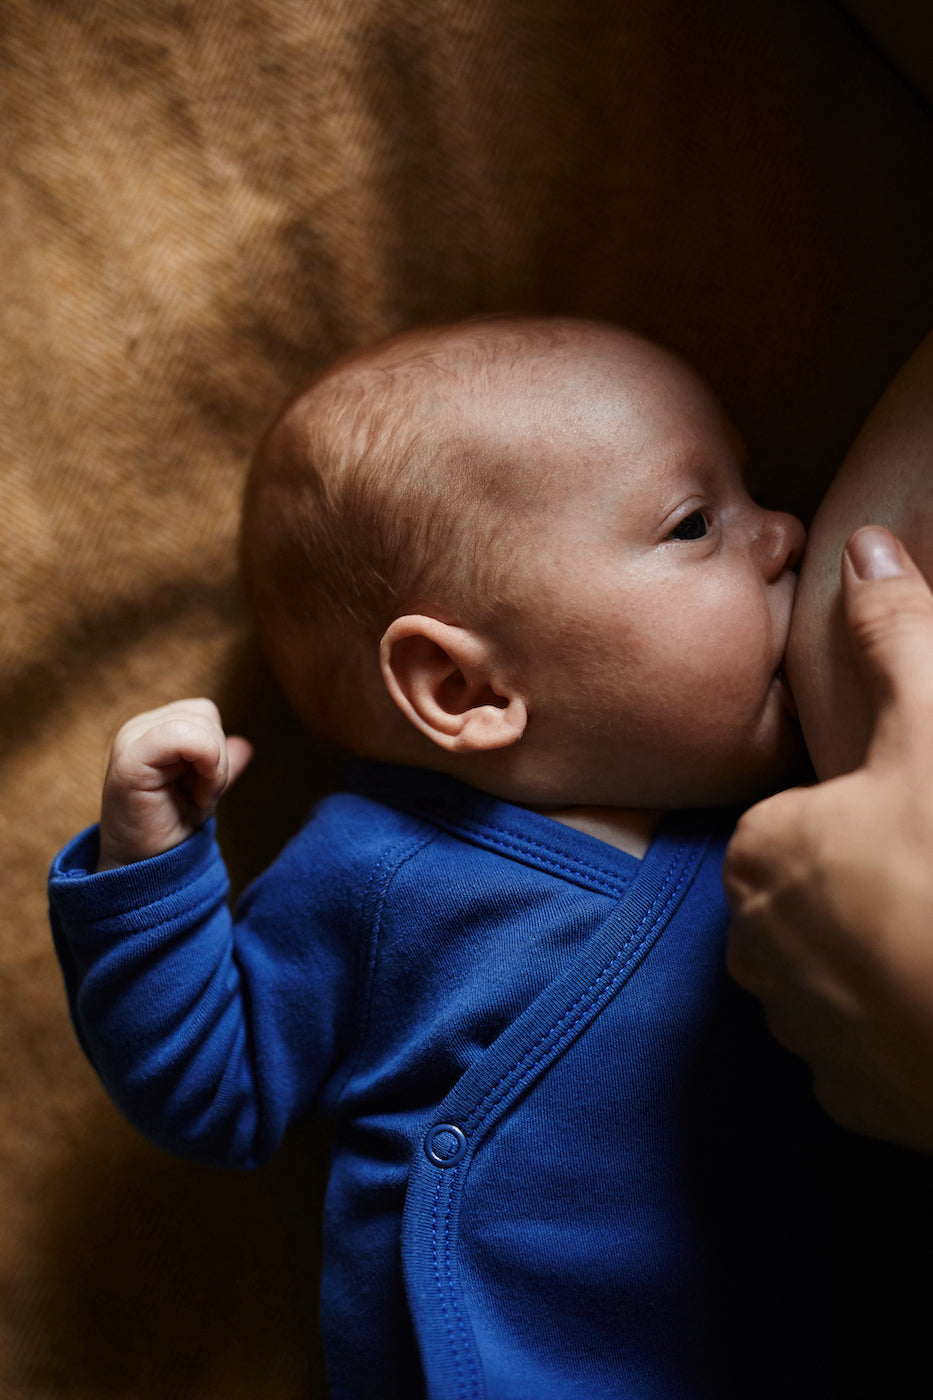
x,y
567,1157
199,1026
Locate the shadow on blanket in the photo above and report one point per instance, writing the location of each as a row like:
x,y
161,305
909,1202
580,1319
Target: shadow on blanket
x,y
174,1274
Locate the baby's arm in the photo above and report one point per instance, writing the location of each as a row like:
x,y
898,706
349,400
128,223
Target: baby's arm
x,y
211,1034
167,771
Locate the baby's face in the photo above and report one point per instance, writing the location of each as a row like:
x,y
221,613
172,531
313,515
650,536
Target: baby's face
x,y
652,595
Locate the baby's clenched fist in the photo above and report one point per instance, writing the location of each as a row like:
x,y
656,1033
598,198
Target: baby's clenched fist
x,y
167,771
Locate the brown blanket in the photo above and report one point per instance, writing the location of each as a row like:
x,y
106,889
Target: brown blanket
x,y
205,200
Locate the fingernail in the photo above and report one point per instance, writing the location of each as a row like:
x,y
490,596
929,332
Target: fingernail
x,y
874,554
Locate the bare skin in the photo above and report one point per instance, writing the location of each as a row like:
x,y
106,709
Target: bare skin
x,y
167,771
832,886
643,579
886,479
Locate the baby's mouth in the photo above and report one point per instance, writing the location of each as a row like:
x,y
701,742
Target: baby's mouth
x,y
787,700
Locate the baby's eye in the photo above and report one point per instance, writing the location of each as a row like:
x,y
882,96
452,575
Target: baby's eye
x,y
693,527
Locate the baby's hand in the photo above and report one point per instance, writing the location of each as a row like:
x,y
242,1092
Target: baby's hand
x,y
167,771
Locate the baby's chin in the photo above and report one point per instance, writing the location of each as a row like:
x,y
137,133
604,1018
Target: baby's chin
x,y
742,783
789,767
783,760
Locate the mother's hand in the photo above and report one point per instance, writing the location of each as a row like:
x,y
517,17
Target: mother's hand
x,y
832,886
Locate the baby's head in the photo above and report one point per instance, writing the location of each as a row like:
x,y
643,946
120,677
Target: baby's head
x,y
520,551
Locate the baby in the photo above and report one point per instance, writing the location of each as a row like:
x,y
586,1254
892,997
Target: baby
x,y
512,567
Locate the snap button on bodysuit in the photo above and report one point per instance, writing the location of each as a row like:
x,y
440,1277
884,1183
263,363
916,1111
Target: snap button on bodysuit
x,y
445,1145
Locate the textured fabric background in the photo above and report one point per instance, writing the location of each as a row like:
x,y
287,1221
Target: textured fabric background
x,y
201,204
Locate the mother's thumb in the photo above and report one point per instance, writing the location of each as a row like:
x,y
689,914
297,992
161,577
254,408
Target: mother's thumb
x,y
889,613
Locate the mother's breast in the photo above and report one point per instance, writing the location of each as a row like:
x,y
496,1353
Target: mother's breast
x,y
886,479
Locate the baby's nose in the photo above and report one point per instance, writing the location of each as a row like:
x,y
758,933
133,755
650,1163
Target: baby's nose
x,y
782,540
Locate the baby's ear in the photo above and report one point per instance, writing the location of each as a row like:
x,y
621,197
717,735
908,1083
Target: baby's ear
x,y
444,679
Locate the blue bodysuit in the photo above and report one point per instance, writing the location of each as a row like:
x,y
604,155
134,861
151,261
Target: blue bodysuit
x,y
568,1162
